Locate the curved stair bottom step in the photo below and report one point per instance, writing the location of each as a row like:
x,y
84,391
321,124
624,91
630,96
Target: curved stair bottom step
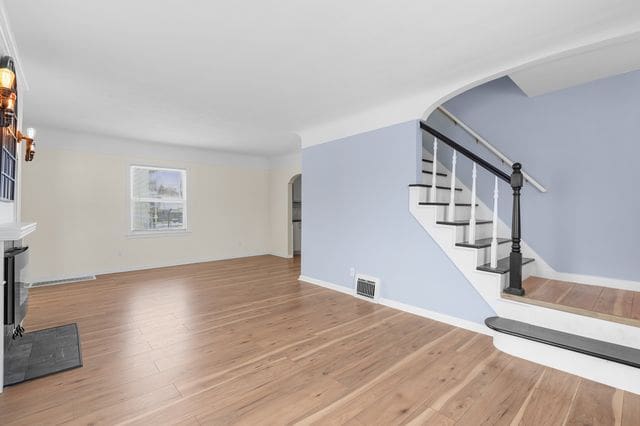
x,y
588,358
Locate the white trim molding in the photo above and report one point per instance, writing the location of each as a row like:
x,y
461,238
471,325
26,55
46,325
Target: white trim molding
x,y
437,316
415,310
327,284
16,231
143,267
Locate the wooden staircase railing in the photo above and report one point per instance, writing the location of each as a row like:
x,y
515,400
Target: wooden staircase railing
x,y
516,181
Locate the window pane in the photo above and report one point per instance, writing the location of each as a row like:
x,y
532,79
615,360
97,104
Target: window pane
x,y
149,216
157,183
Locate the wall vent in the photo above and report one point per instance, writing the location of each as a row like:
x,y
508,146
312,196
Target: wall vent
x,y
367,287
63,281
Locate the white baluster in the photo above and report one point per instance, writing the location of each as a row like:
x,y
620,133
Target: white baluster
x,y
434,169
452,197
494,235
472,219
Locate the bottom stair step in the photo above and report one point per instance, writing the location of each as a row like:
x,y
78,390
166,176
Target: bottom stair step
x,y
503,265
584,345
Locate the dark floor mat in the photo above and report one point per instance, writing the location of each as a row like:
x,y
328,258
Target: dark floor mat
x,y
40,353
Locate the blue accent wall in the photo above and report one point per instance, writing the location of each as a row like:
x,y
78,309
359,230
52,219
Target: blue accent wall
x,y
583,144
356,214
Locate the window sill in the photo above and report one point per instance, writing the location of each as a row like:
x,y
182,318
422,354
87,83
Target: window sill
x,y
152,234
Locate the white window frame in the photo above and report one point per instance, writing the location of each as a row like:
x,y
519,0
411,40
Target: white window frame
x,y
133,199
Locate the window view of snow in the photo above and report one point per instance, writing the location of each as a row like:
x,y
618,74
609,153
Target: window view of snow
x,y
157,199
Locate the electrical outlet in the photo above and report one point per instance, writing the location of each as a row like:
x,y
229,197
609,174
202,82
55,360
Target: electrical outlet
x,y
352,272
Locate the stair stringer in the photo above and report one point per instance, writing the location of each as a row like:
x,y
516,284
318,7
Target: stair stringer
x,y
489,285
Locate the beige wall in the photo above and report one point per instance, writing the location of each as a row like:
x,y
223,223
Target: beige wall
x,y
282,171
77,191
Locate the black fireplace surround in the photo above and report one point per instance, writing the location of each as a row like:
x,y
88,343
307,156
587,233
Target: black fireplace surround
x,y
15,291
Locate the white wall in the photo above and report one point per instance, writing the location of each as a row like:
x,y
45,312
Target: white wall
x,y
77,191
283,169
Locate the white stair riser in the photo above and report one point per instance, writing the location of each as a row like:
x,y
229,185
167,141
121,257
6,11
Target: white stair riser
x,y
581,325
460,213
503,279
484,254
442,195
610,373
440,180
482,231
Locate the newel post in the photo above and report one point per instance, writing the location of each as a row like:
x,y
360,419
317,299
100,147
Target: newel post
x,y
515,258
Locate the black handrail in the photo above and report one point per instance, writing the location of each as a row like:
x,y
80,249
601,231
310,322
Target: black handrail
x,y
464,151
515,180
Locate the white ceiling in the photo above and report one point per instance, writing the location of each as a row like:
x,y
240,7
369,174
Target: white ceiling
x,y
582,66
250,75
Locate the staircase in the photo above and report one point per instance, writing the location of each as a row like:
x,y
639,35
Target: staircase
x,y
495,261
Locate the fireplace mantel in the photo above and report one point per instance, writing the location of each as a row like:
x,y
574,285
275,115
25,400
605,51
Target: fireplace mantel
x,y
16,231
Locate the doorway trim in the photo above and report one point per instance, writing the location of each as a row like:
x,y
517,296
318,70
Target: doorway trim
x,y
290,214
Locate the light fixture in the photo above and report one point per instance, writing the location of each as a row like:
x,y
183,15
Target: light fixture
x,y
8,96
8,106
30,150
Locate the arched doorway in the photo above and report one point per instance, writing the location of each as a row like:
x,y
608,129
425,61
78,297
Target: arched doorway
x,y
295,216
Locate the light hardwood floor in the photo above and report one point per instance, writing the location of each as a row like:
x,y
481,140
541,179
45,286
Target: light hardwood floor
x,y
605,303
242,341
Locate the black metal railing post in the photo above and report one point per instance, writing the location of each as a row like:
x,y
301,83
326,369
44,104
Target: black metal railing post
x,y
515,258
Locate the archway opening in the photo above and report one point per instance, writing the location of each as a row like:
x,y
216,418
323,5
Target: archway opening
x,y
295,216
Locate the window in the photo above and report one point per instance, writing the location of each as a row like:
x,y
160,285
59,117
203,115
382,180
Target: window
x,y
7,165
158,199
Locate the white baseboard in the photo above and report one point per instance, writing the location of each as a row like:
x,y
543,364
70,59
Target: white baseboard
x,y
283,255
415,310
326,284
437,316
144,267
69,280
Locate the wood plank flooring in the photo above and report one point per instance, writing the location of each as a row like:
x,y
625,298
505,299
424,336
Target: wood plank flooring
x,y
605,303
243,342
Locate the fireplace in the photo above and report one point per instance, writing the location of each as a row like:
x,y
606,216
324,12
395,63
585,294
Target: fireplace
x,y
15,292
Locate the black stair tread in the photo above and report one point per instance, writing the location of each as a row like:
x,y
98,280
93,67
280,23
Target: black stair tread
x,y
503,265
584,345
422,185
427,161
429,172
442,203
483,243
462,222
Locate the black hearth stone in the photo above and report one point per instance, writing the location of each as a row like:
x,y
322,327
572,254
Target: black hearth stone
x,y
40,353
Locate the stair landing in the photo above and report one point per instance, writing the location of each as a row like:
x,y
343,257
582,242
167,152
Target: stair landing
x,y
610,304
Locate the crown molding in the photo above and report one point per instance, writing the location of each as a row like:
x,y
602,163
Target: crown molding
x,y
51,138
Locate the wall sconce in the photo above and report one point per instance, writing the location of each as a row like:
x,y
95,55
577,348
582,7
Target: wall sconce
x,y
8,105
8,95
30,150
